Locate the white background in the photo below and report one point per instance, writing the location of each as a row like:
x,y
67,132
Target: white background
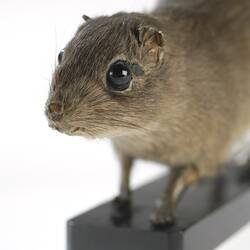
x,y
47,177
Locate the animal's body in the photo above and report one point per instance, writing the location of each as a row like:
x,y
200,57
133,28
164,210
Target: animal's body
x,y
187,101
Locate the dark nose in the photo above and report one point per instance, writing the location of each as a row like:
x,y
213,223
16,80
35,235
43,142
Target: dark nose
x,y
55,111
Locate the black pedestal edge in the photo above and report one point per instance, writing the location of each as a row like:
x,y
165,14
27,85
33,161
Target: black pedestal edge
x,y
204,222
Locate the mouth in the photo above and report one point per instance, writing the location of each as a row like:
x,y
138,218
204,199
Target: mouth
x,y
74,130
77,131
68,131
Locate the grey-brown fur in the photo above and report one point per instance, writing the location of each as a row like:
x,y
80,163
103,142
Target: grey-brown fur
x,y
187,110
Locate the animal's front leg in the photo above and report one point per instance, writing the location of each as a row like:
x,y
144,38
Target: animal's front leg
x,y
179,180
126,167
122,203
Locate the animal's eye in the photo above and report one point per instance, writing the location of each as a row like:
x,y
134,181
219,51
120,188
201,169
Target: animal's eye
x,y
60,56
119,76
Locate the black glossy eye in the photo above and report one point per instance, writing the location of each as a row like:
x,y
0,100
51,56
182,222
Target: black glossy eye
x,y
119,76
60,56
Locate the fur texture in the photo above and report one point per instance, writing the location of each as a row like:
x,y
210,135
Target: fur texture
x,y
191,104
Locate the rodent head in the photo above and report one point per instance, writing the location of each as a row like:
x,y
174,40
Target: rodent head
x,y
104,84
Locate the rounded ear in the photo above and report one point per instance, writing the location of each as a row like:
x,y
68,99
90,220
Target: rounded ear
x,y
149,36
151,41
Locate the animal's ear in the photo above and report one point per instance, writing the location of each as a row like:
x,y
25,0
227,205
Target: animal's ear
x,y
151,41
86,18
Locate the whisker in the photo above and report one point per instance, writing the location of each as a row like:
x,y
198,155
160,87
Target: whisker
x,y
56,46
108,122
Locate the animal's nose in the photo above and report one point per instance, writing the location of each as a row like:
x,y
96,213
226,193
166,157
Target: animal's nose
x,y
55,108
55,111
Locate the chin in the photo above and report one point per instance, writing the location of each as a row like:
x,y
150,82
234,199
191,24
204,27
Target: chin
x,y
89,133
109,134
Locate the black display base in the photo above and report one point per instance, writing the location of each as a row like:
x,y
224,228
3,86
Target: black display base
x,y
208,214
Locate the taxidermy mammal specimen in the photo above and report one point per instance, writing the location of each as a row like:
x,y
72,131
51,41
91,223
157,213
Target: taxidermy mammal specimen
x,y
171,86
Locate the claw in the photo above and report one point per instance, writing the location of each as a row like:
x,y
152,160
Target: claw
x,y
161,219
121,211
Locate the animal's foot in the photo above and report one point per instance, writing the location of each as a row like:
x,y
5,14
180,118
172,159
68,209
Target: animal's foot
x,y
121,211
121,204
162,217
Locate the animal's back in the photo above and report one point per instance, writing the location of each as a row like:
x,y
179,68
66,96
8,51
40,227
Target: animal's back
x,y
220,104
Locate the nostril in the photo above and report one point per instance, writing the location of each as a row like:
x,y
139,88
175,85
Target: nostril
x,y
55,111
55,108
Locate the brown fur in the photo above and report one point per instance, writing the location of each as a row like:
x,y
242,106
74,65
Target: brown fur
x,y
192,103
